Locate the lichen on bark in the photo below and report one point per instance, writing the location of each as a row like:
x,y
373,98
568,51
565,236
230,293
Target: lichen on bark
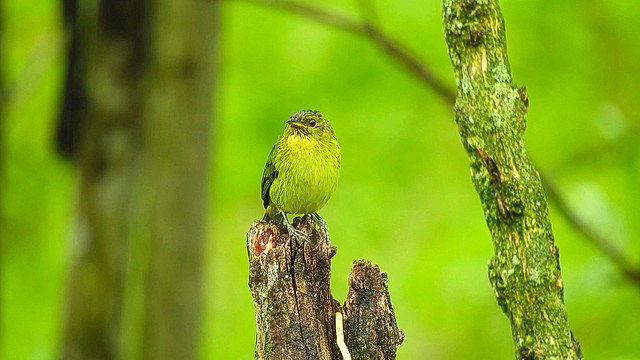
x,y
490,111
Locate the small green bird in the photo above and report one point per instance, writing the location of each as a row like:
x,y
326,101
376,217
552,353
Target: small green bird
x,y
302,170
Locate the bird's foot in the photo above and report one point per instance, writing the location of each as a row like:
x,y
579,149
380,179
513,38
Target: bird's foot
x,y
298,234
323,226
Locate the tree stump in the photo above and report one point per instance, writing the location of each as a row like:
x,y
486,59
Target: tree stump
x,y
295,311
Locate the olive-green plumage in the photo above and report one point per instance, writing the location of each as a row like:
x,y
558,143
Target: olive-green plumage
x,y
303,167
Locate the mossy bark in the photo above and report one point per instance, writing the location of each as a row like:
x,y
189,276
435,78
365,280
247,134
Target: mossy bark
x,y
490,111
295,311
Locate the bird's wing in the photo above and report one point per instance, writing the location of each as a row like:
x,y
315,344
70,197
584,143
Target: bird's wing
x,y
269,175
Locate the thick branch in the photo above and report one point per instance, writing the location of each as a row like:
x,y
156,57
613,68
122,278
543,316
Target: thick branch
x,y
295,311
390,46
491,116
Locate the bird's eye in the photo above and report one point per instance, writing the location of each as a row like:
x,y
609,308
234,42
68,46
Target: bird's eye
x,y
312,122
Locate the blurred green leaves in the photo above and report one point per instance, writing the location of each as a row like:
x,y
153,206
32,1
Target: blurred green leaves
x,y
405,200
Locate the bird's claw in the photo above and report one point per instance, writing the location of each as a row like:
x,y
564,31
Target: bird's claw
x,y
298,234
322,225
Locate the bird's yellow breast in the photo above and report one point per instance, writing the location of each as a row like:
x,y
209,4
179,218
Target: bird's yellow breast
x,y
308,172
301,143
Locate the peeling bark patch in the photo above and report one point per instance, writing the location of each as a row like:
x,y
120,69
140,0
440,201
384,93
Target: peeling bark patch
x,y
262,239
494,173
502,209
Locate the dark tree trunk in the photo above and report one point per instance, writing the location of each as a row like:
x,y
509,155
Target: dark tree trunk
x,y
137,114
295,311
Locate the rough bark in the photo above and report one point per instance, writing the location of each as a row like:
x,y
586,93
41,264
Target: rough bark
x,y
490,111
295,311
370,327
134,282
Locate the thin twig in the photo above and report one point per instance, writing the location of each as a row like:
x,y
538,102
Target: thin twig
x,y
405,56
608,248
368,11
388,44
619,147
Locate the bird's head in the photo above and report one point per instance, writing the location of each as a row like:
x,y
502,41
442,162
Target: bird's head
x,y
309,123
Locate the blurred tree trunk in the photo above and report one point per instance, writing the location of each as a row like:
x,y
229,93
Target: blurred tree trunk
x,y
491,116
136,117
74,102
3,100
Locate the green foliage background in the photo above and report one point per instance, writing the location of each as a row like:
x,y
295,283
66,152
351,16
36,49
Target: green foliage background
x,y
405,200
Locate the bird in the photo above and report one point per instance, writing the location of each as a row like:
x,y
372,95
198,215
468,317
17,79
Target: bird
x,y
302,171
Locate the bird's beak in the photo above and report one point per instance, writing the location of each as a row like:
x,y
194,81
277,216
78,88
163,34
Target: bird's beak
x,y
295,124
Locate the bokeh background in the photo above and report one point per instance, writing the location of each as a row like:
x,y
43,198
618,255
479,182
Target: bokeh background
x,y
405,200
